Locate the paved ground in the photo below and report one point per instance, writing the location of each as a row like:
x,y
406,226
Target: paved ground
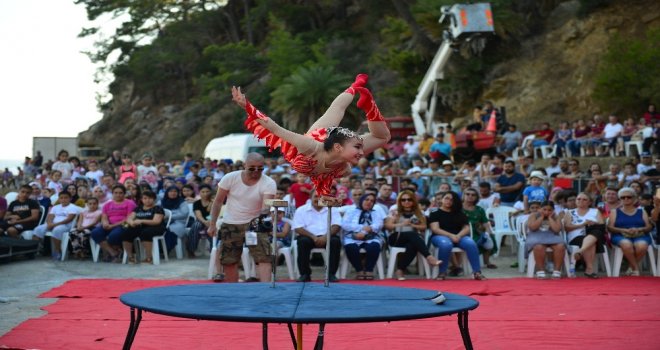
x,y
23,280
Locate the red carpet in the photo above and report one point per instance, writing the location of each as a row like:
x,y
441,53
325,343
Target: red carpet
x,y
520,313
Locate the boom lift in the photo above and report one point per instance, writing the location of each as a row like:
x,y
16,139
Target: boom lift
x,y
466,22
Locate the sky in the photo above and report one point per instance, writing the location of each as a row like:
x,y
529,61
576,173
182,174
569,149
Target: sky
x,y
46,84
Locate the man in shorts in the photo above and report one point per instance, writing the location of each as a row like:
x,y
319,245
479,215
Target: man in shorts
x,y
22,214
245,192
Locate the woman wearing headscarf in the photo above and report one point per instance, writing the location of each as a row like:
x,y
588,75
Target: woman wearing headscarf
x,y
361,226
179,208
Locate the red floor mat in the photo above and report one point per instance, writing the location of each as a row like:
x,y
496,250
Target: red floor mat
x,y
513,314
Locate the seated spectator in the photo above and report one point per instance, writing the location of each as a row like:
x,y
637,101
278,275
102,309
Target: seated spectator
x,y
482,232
38,196
543,228
59,222
94,173
596,135
586,229
64,167
651,116
561,138
88,219
542,137
311,225
127,170
651,177
510,184
188,193
652,138
630,227
114,215
361,227
22,214
574,171
145,222
535,192
488,198
645,163
449,227
54,181
406,226
596,185
282,229
511,139
145,167
202,211
439,149
554,168
629,175
175,202
579,139
611,134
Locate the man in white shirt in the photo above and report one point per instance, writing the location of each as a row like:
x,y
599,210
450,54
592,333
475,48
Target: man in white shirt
x,y
410,151
611,134
554,166
59,222
310,223
487,198
245,192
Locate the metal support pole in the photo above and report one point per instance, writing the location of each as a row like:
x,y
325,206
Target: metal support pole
x,y
264,335
327,248
274,250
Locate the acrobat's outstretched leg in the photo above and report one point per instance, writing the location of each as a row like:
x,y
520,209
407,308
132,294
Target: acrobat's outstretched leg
x,y
335,113
379,133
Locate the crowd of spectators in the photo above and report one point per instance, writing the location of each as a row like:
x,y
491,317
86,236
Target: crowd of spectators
x,y
410,195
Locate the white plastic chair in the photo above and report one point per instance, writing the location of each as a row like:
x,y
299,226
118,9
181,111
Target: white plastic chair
x,y
521,221
155,250
465,263
294,249
531,263
547,151
27,234
523,147
10,197
422,265
605,256
618,259
638,136
503,225
344,263
65,239
213,257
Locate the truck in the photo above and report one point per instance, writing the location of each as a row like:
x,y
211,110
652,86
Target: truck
x,y
51,146
466,22
236,147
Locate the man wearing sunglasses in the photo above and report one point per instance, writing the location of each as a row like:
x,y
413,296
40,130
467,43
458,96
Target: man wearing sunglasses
x,y
244,192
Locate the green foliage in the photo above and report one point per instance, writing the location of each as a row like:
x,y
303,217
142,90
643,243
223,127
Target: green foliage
x,y
589,6
627,75
285,54
304,96
234,64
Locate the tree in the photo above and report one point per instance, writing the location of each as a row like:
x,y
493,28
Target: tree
x,y
627,75
305,95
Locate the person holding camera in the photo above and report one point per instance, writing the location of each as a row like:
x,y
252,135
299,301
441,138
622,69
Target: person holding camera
x,y
244,192
361,226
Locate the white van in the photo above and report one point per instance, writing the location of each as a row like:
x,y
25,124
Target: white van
x,y
236,147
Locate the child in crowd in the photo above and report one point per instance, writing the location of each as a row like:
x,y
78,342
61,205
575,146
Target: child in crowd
x,y
94,173
535,192
89,218
59,221
127,170
54,181
543,228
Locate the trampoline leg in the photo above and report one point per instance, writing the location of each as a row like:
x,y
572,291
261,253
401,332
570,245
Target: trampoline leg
x,y
465,331
319,339
264,335
132,328
293,336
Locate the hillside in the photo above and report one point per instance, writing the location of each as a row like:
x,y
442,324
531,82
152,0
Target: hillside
x,y
548,76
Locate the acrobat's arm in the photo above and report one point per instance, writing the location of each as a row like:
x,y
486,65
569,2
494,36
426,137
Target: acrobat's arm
x,y
265,128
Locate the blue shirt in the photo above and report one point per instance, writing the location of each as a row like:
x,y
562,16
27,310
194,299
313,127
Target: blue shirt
x,y
443,148
535,194
504,181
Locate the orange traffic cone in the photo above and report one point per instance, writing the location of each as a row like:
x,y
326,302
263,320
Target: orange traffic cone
x,y
492,124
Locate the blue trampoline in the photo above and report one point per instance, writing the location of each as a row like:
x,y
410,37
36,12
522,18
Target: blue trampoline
x,y
299,303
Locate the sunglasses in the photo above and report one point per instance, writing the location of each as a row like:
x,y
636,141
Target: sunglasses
x,y
406,199
470,194
625,197
253,169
